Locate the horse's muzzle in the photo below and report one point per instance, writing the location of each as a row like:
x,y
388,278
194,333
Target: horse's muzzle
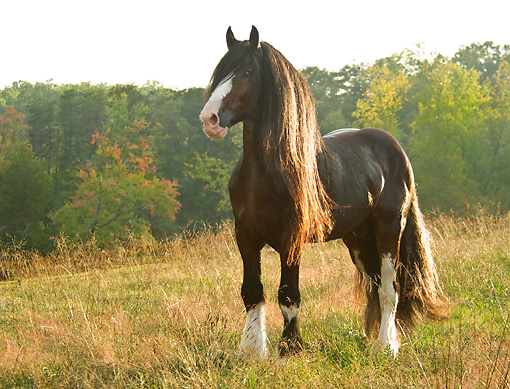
x,y
212,125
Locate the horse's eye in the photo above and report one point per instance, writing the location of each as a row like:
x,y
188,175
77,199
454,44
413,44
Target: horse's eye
x,y
248,74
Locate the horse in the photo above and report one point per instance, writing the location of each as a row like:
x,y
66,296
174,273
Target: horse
x,y
291,186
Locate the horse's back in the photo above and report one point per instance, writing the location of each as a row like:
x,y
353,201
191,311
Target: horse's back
x,y
366,145
362,136
340,131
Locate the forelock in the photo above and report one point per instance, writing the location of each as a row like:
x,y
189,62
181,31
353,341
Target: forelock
x,y
238,56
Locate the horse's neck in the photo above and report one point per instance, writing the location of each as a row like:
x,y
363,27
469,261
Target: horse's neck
x,y
252,144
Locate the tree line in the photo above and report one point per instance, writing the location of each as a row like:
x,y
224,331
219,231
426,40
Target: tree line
x,y
106,162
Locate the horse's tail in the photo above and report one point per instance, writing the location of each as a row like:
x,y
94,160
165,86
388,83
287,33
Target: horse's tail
x,y
419,293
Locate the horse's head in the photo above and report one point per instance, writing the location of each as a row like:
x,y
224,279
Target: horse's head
x,y
235,90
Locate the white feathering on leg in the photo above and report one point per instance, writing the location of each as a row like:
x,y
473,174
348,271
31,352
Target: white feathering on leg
x,y
254,338
388,301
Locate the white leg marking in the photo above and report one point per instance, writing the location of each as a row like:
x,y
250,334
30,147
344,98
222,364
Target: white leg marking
x,y
388,301
359,265
406,204
357,262
289,313
254,338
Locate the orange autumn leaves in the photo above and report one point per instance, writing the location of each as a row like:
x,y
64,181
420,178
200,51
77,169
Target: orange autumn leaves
x,y
118,191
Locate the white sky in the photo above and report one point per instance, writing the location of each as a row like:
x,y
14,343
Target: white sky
x,y
179,42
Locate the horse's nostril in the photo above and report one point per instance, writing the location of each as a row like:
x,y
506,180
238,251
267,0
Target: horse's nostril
x,y
214,120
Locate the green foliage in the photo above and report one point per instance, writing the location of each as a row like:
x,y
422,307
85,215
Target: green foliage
x,y
25,194
336,94
452,116
117,192
13,130
214,174
25,188
484,58
447,134
383,100
495,178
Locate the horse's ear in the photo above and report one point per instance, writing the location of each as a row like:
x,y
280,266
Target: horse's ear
x,y
254,38
231,39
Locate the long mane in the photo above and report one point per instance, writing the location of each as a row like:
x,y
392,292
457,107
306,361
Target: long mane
x,y
292,148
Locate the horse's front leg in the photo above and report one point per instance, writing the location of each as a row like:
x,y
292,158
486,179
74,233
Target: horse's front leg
x,y
289,299
254,339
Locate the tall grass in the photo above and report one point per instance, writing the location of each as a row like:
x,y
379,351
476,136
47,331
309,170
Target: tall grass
x,y
152,314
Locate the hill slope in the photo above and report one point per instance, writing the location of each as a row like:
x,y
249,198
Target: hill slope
x,y
170,315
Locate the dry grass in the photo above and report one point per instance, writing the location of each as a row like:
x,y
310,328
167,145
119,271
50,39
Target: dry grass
x,y
150,314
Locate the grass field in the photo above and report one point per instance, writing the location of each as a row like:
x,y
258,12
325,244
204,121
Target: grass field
x,y
149,314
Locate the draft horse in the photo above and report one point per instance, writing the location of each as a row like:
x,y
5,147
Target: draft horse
x,y
292,186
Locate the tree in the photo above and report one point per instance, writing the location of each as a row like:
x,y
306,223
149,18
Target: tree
x,y
42,110
25,188
25,191
117,192
212,175
25,194
336,94
383,100
484,58
447,133
82,111
495,177
12,128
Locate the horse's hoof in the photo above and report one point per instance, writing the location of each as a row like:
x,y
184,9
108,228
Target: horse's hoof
x,y
390,348
290,346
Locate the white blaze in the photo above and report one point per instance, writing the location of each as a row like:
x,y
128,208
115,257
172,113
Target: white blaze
x,y
223,89
209,114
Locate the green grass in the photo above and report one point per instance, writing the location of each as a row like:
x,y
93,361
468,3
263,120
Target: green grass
x,y
169,314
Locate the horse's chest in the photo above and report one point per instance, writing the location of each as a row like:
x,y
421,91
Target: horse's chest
x,y
255,205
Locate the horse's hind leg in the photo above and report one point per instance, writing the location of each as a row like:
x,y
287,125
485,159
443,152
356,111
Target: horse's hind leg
x,y
254,339
363,251
388,300
289,299
390,220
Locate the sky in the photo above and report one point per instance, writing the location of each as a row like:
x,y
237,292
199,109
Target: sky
x,y
179,42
